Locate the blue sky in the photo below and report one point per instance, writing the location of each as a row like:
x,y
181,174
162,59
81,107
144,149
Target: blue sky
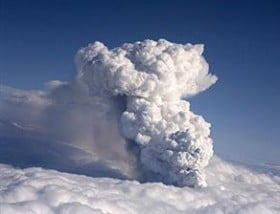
x,y
242,42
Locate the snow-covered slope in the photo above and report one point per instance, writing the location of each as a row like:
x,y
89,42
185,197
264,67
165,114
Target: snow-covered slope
x,y
231,189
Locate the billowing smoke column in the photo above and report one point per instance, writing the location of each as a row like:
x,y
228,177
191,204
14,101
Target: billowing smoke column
x,y
152,78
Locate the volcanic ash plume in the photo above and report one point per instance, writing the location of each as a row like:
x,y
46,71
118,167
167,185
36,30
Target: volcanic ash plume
x,y
172,143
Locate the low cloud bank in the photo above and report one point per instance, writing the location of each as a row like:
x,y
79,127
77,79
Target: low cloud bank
x,y
231,189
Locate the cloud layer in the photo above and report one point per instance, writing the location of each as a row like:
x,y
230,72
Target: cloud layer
x,y
231,189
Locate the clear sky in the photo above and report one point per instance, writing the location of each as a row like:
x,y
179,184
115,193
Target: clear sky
x,y
38,40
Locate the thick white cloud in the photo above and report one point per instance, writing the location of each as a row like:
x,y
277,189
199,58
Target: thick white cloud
x,y
152,77
231,189
149,69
